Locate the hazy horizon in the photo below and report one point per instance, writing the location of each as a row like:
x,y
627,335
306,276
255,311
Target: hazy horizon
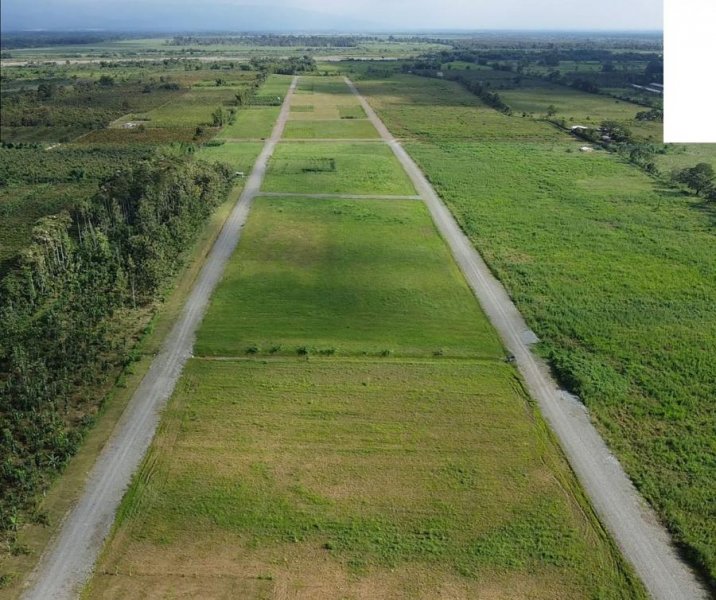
x,y
339,15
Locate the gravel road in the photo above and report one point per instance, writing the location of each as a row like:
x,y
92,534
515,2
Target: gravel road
x,y
632,524
68,561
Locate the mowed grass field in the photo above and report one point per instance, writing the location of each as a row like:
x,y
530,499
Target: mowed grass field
x,y
324,108
287,479
343,277
276,85
341,167
338,129
241,156
254,122
616,276
349,427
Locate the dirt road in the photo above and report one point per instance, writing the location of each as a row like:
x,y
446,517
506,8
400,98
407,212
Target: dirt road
x,y
69,560
633,525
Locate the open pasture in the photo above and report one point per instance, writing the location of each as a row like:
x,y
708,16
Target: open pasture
x,y
252,122
433,109
339,167
343,277
617,278
333,87
192,109
240,156
580,108
276,85
680,156
310,105
382,479
346,129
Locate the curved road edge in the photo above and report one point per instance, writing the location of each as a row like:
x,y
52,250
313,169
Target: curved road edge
x,y
633,525
68,561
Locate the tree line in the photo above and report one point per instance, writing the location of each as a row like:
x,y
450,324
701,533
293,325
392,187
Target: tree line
x,y
71,305
489,97
301,41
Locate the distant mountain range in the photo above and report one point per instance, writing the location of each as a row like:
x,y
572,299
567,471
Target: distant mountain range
x,y
134,15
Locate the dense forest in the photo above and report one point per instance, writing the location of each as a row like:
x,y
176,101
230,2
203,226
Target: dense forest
x,y
40,39
72,305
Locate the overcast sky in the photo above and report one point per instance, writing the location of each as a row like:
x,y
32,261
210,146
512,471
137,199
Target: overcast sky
x,y
498,14
383,14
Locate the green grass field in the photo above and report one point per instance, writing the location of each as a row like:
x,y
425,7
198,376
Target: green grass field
x,y
351,112
342,129
350,425
332,86
681,156
336,168
343,277
276,85
581,108
241,156
429,109
379,479
254,122
193,109
616,276
326,98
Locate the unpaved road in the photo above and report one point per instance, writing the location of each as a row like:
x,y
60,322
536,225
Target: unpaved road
x,y
634,526
68,562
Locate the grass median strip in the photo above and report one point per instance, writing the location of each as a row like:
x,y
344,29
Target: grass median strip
x,y
342,277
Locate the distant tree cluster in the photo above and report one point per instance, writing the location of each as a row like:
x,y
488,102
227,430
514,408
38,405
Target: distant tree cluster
x,y
430,68
655,114
489,97
39,39
292,65
289,41
699,179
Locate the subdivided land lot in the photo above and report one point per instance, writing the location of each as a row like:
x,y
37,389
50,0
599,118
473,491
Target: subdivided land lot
x,y
360,433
